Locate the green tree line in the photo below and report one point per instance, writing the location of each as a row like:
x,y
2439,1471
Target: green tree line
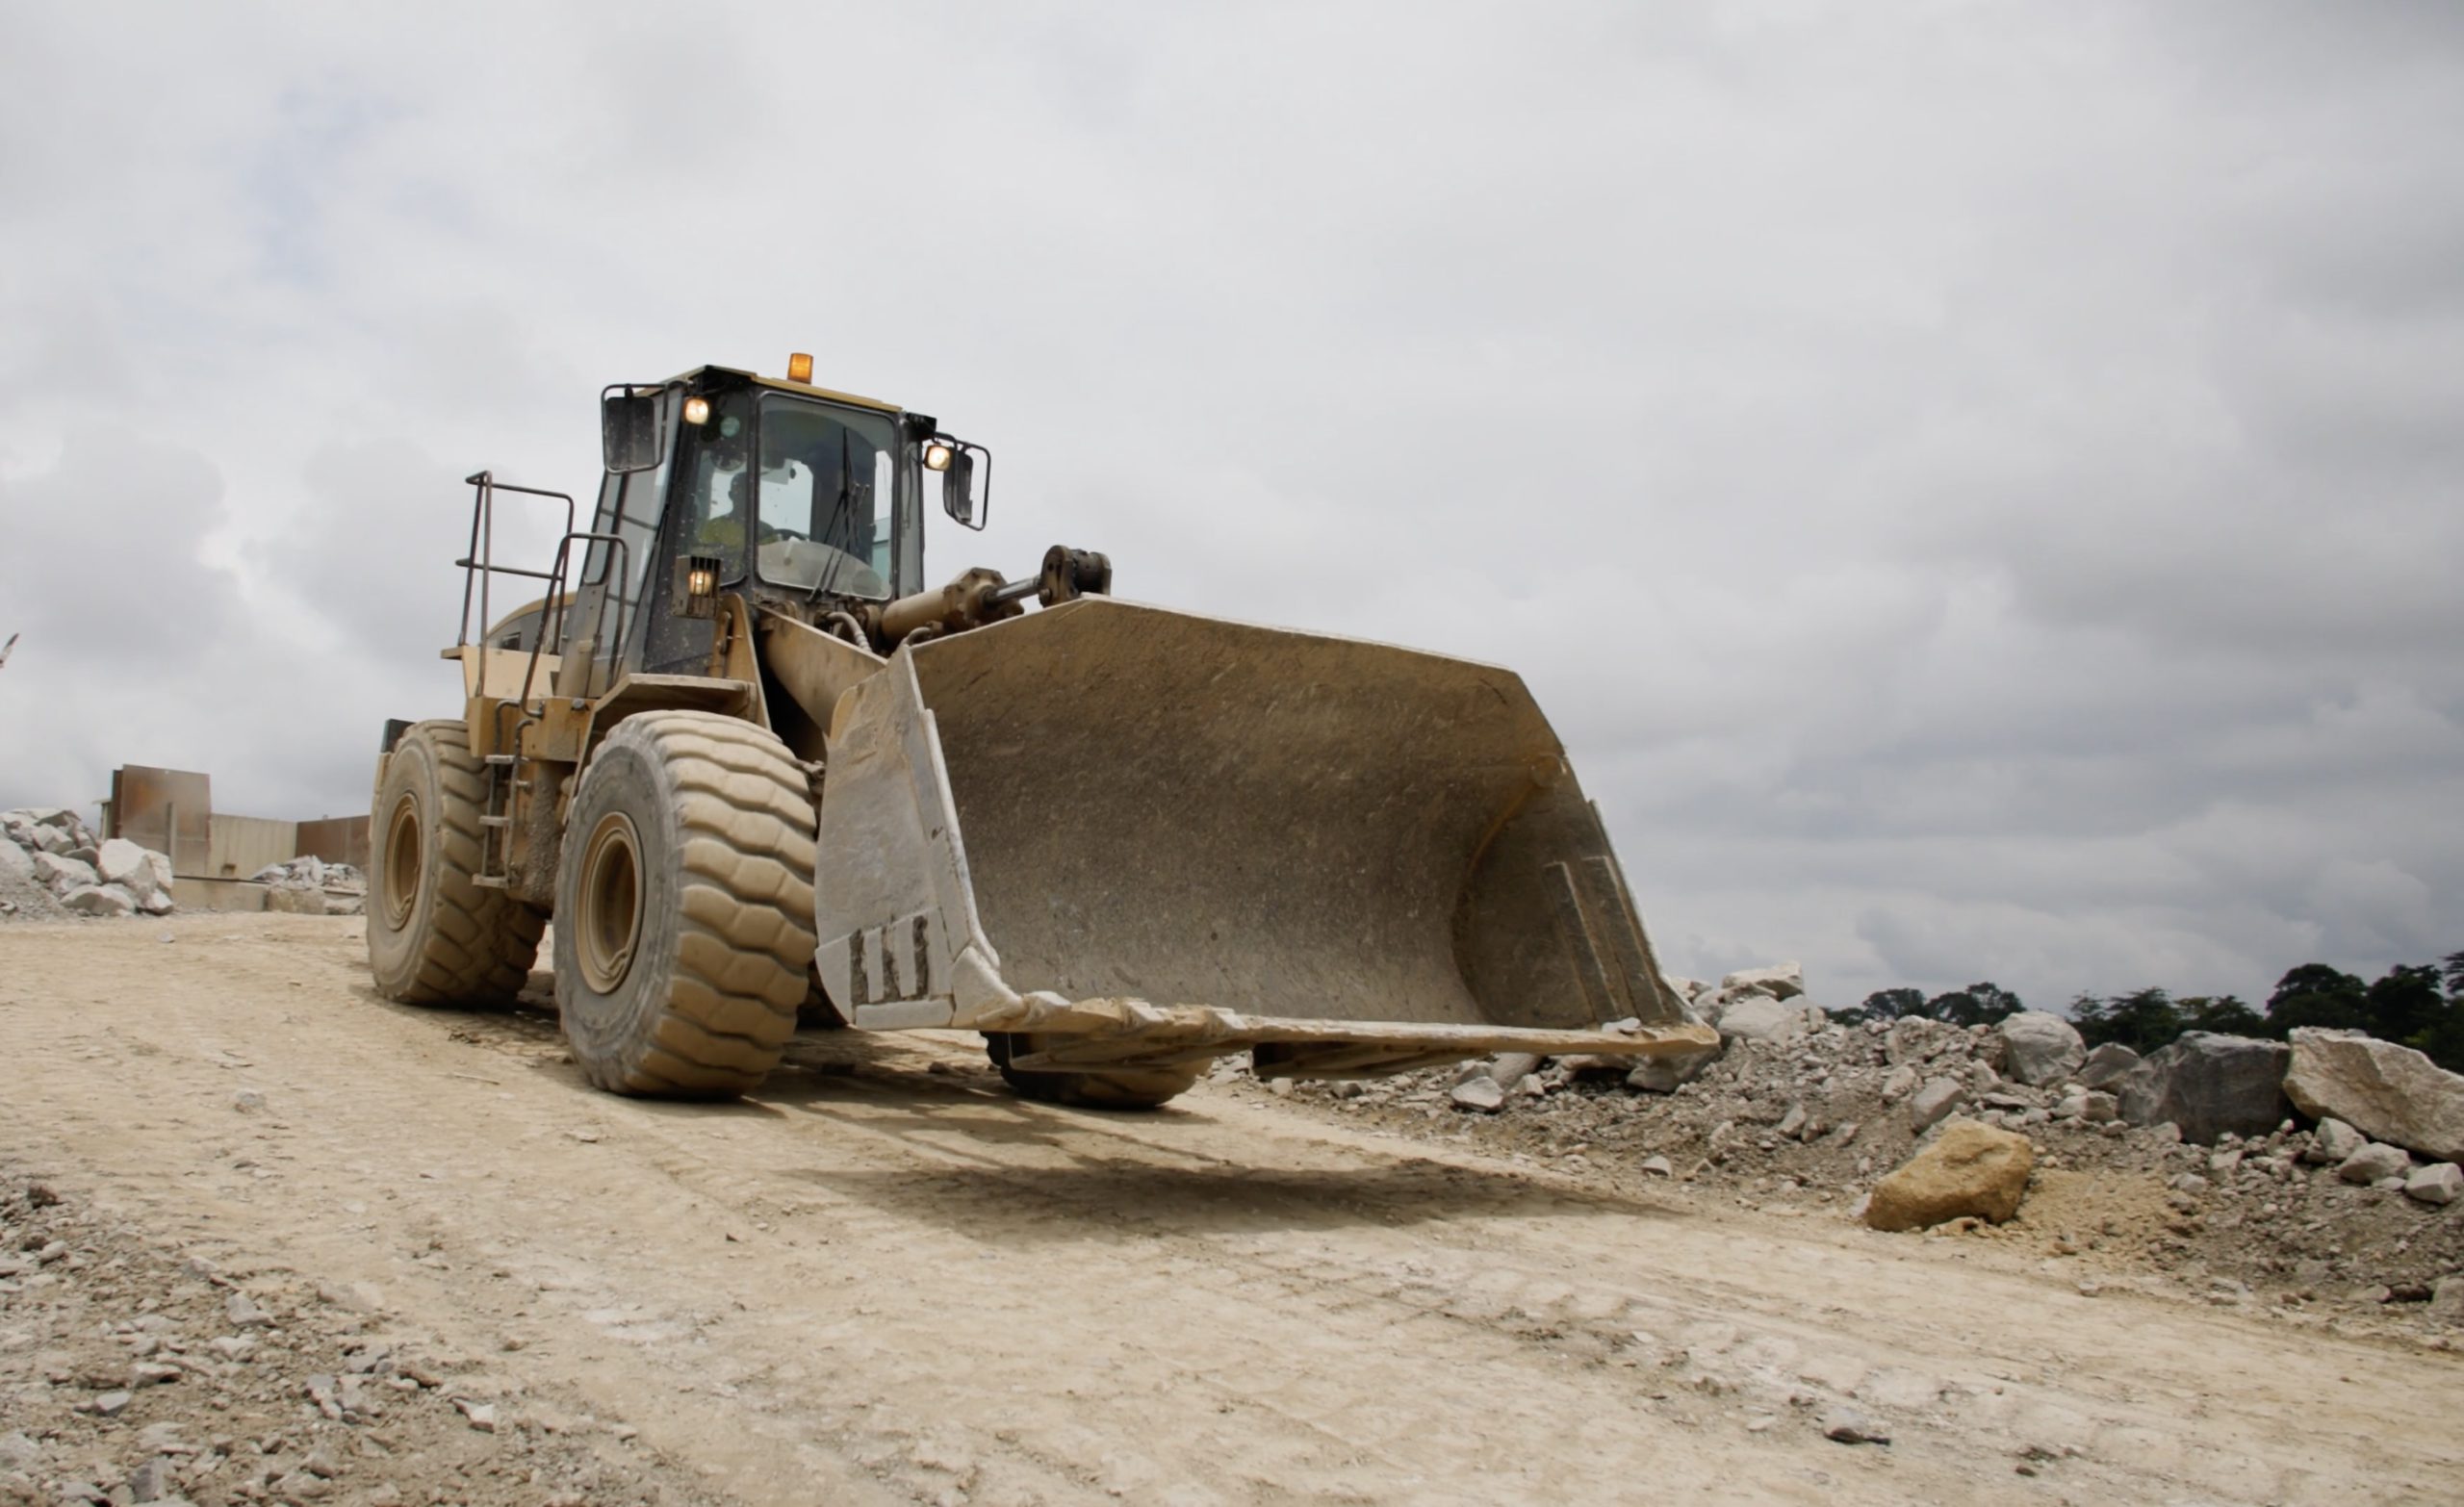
x,y
2417,1005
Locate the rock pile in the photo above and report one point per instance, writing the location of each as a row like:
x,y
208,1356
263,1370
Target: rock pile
x,y
2190,1160
309,886
52,864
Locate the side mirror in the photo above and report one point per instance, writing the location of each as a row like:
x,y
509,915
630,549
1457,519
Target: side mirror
x,y
630,436
958,490
958,484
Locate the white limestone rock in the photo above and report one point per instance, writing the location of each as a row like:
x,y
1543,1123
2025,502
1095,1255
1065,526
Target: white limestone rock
x,y
1483,1093
2386,1091
2374,1163
2438,1183
2332,1142
1759,1017
100,900
61,875
1938,1097
2039,1048
1785,980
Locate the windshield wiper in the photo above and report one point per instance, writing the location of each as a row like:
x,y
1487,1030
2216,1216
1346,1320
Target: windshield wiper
x,y
837,515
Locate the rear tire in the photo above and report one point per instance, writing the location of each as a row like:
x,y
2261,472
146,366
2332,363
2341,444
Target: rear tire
x,y
1141,1088
684,920
434,936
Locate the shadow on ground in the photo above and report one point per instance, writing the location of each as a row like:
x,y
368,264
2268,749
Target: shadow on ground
x,y
1105,1198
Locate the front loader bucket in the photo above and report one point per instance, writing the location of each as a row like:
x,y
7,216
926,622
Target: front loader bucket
x,y
1148,837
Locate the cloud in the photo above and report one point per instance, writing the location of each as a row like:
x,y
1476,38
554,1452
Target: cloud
x,y
1975,491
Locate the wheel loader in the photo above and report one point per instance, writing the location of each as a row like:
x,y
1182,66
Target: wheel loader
x,y
756,772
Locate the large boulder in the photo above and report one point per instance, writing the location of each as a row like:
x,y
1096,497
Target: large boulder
x,y
1970,1169
61,875
140,871
15,862
100,900
2106,1066
2389,1093
2210,1084
1758,1017
1785,982
2040,1049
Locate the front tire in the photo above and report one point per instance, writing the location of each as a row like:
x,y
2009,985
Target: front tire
x,y
1140,1088
434,935
685,930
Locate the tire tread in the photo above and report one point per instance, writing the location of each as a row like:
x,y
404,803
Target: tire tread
x,y
481,942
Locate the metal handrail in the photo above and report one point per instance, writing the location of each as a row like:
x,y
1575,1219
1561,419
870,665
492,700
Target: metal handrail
x,y
552,622
479,569
478,566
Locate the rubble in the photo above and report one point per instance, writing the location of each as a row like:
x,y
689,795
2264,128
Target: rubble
x,y
1811,1122
309,886
2389,1093
52,865
120,1383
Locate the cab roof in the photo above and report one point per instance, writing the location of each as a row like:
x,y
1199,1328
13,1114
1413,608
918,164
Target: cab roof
x,y
803,389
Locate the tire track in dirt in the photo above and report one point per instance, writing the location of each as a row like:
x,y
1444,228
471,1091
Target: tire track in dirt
x,y
891,1278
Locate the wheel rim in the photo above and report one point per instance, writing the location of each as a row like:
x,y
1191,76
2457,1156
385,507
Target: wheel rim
x,y
610,924
402,861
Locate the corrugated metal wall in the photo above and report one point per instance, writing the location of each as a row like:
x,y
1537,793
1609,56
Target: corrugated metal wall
x,y
245,844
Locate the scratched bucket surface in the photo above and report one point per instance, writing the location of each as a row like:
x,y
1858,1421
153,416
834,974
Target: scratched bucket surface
x,y
1137,802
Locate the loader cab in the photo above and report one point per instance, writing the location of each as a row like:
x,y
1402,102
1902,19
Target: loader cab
x,y
806,500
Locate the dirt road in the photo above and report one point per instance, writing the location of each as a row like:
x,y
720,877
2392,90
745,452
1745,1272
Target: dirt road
x,y
888,1281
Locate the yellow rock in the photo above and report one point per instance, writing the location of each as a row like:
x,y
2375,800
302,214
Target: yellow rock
x,y
1970,1169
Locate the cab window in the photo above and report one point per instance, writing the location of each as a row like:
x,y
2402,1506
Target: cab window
x,y
824,488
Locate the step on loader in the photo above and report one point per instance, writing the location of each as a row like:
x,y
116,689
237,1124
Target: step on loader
x,y
759,775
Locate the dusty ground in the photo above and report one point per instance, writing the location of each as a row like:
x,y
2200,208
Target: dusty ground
x,y
887,1281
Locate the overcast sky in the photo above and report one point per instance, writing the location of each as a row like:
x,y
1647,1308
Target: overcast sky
x,y
1976,487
